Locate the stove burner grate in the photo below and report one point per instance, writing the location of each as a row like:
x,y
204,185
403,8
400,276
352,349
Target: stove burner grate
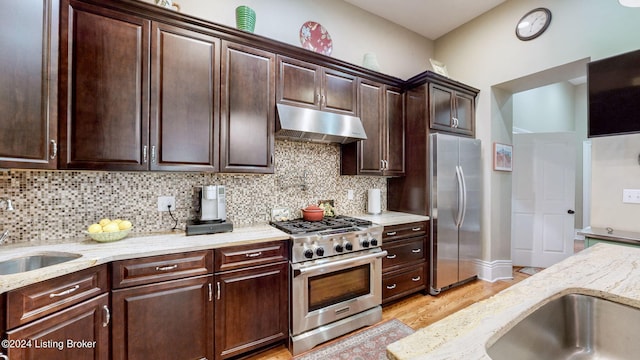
x,y
301,226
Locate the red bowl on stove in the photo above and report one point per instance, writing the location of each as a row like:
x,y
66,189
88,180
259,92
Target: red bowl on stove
x,y
312,213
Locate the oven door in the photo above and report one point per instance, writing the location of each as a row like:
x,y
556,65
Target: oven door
x,y
326,290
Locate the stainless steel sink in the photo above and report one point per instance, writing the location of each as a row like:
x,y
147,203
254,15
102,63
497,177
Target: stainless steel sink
x,y
34,261
573,326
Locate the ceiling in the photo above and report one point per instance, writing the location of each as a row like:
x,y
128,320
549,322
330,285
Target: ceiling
x,y
429,18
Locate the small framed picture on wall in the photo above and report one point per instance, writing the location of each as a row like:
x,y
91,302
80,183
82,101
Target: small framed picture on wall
x,y
502,157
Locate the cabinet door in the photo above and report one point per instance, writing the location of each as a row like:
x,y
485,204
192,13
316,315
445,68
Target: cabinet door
x,y
340,92
168,320
298,83
465,113
79,332
104,89
371,104
395,132
251,309
184,99
247,110
441,103
29,84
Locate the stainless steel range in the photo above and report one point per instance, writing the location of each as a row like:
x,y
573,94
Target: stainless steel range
x,y
336,278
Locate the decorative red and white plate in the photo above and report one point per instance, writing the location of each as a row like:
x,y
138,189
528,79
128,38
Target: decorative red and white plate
x,y
315,37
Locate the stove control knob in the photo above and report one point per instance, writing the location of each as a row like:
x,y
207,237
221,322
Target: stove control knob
x,y
308,253
338,248
374,241
320,251
347,245
365,243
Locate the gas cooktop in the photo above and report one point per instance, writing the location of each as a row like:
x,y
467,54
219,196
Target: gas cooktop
x,y
301,226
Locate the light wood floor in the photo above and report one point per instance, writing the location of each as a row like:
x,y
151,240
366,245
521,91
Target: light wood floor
x,y
419,310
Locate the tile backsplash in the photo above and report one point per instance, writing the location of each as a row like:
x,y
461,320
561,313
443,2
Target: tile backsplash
x,y
53,205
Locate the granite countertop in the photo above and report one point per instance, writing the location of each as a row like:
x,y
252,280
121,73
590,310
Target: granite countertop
x,y
95,253
614,235
608,271
389,218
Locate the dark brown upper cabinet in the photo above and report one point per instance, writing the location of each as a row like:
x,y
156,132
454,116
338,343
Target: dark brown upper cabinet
x,y
185,83
126,113
452,110
28,84
312,86
104,92
247,109
381,109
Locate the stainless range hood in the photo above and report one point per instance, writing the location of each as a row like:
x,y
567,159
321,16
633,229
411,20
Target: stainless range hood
x,y
301,124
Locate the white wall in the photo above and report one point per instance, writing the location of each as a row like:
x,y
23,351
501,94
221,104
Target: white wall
x,y
485,52
354,32
557,114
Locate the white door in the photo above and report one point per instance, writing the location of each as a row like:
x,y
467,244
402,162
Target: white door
x,y
543,198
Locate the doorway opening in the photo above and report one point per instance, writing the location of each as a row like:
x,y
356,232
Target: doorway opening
x,y
549,109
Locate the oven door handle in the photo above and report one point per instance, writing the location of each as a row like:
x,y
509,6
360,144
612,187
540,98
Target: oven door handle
x,y
299,269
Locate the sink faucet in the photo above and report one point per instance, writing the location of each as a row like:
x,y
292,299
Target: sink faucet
x,y
3,237
9,205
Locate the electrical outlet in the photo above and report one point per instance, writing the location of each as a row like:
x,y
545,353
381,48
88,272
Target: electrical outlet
x,y
165,201
349,194
631,196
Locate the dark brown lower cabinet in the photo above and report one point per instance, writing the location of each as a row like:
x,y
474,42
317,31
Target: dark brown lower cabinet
x,y
251,309
404,269
167,320
79,332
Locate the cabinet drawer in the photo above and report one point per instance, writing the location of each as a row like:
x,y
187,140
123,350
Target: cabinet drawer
x,y
236,257
396,232
34,301
153,269
403,252
404,282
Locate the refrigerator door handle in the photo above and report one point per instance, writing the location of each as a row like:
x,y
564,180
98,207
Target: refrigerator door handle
x,y
464,196
460,205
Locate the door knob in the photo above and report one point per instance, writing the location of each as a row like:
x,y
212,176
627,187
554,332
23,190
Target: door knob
x,y
570,212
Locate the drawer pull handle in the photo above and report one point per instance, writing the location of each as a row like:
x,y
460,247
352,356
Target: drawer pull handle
x,y
63,293
252,255
392,233
392,256
417,278
391,287
166,268
416,229
415,251
107,316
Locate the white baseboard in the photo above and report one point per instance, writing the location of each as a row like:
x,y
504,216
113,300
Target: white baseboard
x,y
493,271
577,236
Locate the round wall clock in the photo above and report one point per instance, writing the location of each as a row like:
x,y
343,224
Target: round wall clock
x,y
533,24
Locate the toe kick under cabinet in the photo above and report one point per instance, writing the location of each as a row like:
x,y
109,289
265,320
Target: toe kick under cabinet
x,y
404,269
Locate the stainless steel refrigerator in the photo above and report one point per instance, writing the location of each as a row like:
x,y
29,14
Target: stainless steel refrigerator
x,y
455,172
